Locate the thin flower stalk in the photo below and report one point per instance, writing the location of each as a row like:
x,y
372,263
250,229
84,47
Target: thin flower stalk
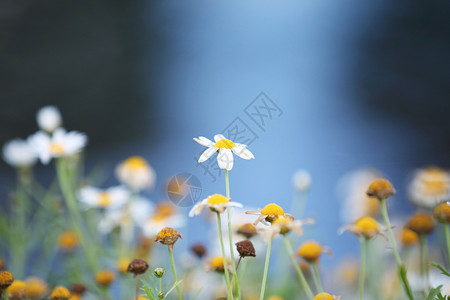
x,y
447,241
230,238
401,268
225,266
266,268
362,271
316,277
172,261
5,294
423,247
299,271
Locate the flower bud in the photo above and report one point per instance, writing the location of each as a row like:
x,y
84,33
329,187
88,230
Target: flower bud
x,y
159,272
138,266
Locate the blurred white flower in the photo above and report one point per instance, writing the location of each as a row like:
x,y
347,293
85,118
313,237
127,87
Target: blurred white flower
x,y
351,189
19,154
164,215
301,180
132,214
429,187
49,118
110,198
61,143
217,203
225,149
136,173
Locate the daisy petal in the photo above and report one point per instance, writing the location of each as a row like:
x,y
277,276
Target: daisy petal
x,y
235,204
207,154
204,141
242,151
225,159
218,137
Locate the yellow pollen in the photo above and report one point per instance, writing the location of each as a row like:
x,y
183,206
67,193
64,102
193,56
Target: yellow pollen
x,y
409,237
6,278
167,232
310,251
122,265
323,296
225,143
104,199
36,288
17,289
56,149
217,263
60,293
68,240
217,199
367,226
282,221
135,162
272,210
104,277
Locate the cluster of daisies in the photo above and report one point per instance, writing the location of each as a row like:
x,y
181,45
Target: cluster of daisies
x,y
92,238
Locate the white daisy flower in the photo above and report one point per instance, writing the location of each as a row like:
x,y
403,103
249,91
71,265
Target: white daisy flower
x,y
429,187
19,154
61,143
225,149
49,118
112,197
283,225
164,215
217,203
136,173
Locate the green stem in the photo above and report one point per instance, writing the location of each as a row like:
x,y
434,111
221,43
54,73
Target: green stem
x,y
362,272
401,268
160,284
137,286
316,277
175,273
447,240
74,213
266,268
423,247
225,266
230,238
299,271
5,294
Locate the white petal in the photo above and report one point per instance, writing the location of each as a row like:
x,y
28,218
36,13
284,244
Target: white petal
x,y
196,210
204,141
218,137
225,159
235,204
207,154
242,151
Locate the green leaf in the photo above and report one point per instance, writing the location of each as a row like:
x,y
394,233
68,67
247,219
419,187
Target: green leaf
x,y
444,271
434,292
148,292
173,286
198,293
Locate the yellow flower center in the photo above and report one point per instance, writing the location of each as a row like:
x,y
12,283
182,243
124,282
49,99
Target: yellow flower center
x,y
135,162
6,278
217,263
217,199
104,199
225,143
122,264
17,289
323,296
442,212
68,240
60,293
435,182
164,209
310,251
274,298
36,288
56,149
272,210
409,237
367,225
104,278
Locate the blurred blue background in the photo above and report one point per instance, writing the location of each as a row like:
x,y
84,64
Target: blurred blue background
x,y
358,83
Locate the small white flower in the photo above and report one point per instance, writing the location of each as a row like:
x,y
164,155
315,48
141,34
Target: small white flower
x,y
301,180
19,154
283,225
216,203
162,218
60,144
225,149
136,173
49,118
110,198
429,187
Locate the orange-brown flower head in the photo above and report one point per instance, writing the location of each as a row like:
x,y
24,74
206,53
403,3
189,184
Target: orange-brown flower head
x,y
36,288
421,223
60,293
78,289
138,266
68,240
199,250
442,212
6,279
408,237
366,227
167,236
381,189
245,248
16,290
310,251
247,230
